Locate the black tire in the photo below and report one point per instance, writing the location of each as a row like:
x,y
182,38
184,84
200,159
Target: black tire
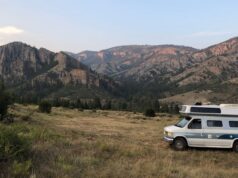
x,y
180,144
235,146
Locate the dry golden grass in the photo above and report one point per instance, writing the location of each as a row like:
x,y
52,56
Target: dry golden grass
x,y
116,144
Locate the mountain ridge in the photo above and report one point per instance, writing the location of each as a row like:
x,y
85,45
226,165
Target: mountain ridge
x,y
169,66
135,70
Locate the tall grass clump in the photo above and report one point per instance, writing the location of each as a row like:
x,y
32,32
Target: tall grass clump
x,y
149,113
14,152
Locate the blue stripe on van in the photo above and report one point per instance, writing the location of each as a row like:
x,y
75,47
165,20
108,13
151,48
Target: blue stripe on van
x,y
228,136
213,136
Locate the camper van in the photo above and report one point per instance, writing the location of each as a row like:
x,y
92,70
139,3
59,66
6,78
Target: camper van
x,y
214,126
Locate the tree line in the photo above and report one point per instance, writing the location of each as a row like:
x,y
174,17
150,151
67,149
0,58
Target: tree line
x,y
135,104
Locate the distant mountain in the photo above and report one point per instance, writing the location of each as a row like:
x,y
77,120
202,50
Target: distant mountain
x,y
167,70
25,68
130,72
215,63
137,62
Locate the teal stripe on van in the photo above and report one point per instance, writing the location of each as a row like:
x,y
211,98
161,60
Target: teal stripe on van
x,y
229,136
211,136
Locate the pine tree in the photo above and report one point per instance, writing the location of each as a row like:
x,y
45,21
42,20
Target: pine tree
x,y
97,103
78,103
164,108
85,105
108,105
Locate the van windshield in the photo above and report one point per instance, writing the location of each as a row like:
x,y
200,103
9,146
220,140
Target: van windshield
x,y
183,122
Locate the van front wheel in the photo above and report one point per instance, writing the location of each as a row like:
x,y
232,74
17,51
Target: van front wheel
x,y
235,146
179,144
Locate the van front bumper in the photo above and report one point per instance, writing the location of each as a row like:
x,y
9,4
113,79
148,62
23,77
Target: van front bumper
x,y
168,139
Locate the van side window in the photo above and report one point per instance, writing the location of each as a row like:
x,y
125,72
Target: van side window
x,y
214,123
233,123
195,124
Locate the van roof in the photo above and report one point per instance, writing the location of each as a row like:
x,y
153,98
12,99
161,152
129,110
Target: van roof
x,y
220,110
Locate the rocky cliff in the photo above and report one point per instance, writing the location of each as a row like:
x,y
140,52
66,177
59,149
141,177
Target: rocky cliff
x,y
23,66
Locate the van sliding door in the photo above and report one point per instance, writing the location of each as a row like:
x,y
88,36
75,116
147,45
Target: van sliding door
x,y
216,134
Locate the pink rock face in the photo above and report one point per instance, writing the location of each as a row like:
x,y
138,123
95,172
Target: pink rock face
x,y
220,49
101,55
223,47
78,75
166,51
120,54
200,55
61,59
215,70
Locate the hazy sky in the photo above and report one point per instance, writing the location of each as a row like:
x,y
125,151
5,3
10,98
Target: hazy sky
x,y
76,25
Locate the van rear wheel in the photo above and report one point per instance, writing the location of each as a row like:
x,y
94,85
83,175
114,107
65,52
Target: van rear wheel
x,y
235,146
179,144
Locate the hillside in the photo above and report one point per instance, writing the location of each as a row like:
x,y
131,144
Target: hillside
x,y
169,70
40,71
216,62
137,62
147,62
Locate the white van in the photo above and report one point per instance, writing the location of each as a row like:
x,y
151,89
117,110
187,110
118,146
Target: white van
x,y
214,126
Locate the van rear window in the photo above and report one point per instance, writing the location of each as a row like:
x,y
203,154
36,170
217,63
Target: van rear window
x,y
233,123
205,110
214,123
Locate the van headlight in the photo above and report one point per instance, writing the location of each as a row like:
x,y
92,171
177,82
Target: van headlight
x,y
170,134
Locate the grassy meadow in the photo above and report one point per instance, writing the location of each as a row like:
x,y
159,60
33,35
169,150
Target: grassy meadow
x,y
69,143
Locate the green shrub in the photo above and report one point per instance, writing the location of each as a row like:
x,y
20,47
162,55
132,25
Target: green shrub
x,y
45,107
12,146
21,169
149,113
